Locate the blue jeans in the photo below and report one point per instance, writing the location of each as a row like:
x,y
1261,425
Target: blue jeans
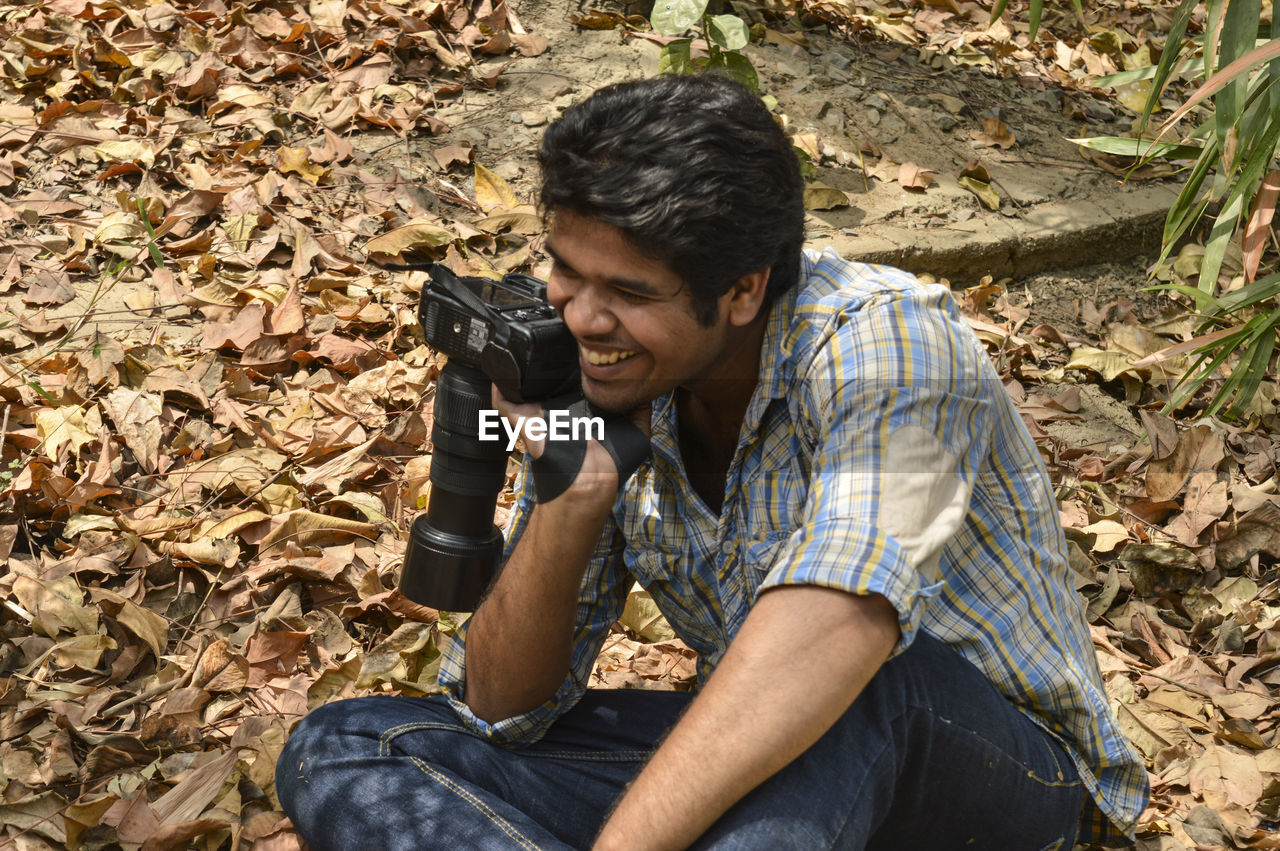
x,y
930,755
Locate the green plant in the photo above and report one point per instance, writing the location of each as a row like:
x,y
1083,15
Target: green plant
x,y
723,35
1034,12
1234,170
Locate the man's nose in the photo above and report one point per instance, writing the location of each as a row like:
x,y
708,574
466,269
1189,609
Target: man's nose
x,y
587,313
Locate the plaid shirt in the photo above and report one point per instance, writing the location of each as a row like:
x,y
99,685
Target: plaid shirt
x,y
879,453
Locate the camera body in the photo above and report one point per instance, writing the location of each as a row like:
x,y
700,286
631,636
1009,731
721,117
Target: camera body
x,y
508,331
494,332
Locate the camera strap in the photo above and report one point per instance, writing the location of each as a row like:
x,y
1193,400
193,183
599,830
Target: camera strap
x,y
561,460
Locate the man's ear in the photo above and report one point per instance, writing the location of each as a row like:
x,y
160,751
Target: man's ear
x,y
746,296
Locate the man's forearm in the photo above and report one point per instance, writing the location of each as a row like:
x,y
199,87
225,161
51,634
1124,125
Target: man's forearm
x,y
801,658
519,642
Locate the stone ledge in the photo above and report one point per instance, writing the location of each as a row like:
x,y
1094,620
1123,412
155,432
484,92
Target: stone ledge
x,y
1048,236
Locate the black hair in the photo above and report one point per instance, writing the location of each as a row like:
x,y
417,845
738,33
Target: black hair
x,y
693,170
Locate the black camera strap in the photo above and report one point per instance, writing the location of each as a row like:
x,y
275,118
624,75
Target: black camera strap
x,y
443,276
561,460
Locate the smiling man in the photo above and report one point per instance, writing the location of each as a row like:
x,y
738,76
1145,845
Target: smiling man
x,y
842,514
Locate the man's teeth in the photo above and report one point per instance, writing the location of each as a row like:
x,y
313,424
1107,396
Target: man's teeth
x,y
602,359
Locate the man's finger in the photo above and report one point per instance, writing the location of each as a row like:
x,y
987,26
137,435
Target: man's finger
x,y
516,416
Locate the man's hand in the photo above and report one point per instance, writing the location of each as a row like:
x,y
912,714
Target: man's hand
x,y
519,642
598,475
802,656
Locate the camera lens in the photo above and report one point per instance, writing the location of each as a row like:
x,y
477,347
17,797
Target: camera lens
x,y
455,548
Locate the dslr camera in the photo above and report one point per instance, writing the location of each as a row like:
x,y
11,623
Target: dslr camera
x,y
500,332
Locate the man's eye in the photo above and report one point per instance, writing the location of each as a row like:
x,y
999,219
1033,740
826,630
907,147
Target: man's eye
x,y
633,297
560,269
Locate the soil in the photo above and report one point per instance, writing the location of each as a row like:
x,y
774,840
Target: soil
x,y
864,95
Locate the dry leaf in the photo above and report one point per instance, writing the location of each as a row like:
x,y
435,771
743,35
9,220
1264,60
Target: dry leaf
x,y
994,133
911,176
417,234
492,192
819,196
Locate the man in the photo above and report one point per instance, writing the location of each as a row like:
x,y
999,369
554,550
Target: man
x,y
842,513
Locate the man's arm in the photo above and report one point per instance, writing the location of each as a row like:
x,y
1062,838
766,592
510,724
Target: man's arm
x,y
519,642
803,655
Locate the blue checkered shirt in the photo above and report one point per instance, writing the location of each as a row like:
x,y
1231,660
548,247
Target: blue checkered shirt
x,y
879,453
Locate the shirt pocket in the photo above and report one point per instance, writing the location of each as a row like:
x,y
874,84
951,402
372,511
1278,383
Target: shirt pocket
x,y
773,503
759,557
651,562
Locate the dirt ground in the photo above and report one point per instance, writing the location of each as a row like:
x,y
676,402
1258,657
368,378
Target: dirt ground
x,y
869,95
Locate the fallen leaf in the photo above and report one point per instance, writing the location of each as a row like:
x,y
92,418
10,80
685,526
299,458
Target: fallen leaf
x,y
911,176
1199,449
417,234
819,196
450,155
1225,776
994,133
492,192
986,194
1160,569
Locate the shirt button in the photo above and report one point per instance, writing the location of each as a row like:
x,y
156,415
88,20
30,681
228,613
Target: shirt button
x,y
727,548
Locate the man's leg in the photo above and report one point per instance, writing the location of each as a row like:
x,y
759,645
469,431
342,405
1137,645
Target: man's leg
x,y
403,773
931,755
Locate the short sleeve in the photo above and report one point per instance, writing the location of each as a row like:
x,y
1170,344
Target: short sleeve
x,y
600,602
897,402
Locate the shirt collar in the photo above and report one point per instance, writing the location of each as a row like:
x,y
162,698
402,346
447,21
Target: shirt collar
x,y
776,368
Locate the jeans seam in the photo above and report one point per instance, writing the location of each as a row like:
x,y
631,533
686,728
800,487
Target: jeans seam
x,y
591,756
384,740
483,808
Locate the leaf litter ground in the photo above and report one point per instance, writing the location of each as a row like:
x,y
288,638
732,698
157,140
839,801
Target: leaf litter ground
x,y
215,409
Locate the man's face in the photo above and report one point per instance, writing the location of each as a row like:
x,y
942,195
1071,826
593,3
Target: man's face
x,y
632,316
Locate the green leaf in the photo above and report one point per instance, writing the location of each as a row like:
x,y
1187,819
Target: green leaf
x,y
998,11
1169,57
728,31
736,67
1186,210
36,386
1137,75
1216,246
1037,8
1274,67
672,17
1123,146
1260,290
1204,302
1247,377
1239,34
1246,63
674,57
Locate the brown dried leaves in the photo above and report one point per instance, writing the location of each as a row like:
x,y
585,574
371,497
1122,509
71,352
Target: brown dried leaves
x,y
1173,530
202,482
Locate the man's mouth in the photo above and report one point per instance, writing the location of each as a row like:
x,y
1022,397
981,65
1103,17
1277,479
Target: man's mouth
x,y
599,358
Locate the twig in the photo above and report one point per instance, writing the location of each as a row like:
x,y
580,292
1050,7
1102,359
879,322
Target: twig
x,y
1171,681
19,611
157,690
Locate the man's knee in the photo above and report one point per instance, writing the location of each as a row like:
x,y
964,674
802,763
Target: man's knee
x,y
347,730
